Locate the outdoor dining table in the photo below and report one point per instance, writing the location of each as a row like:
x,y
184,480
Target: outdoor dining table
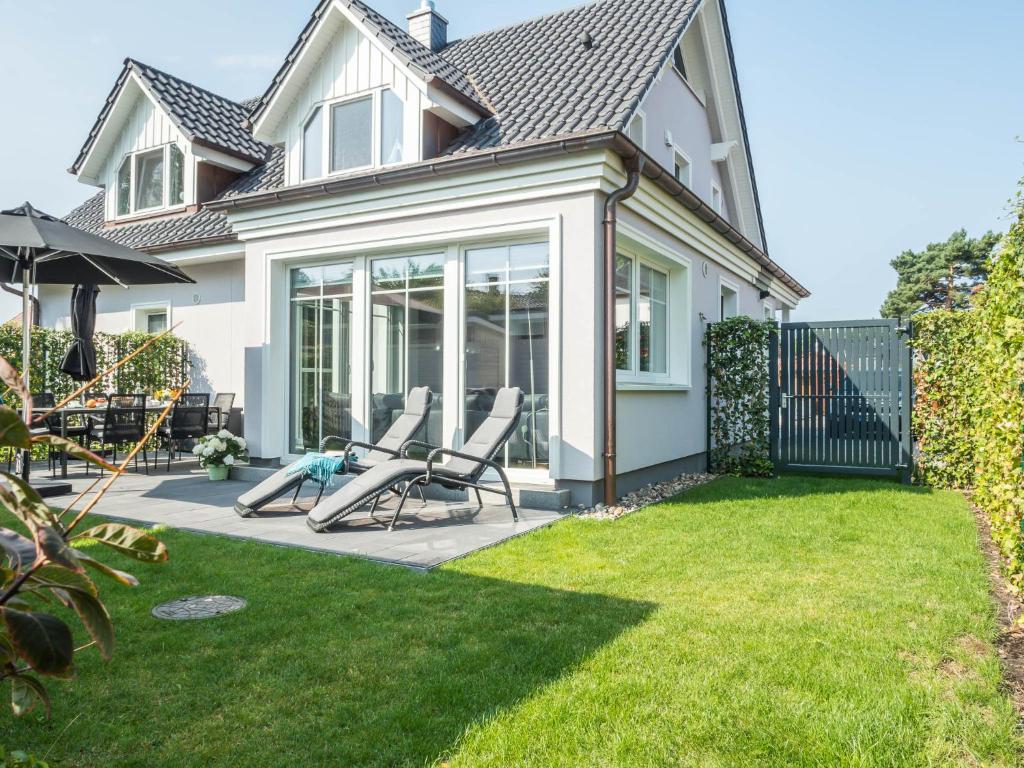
x,y
100,410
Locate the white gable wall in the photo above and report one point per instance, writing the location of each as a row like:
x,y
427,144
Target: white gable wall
x,y
146,127
350,65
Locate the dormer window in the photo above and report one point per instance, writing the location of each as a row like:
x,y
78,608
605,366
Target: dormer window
x,y
360,132
150,180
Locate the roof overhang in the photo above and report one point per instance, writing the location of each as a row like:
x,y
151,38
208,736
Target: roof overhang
x,y
601,139
120,103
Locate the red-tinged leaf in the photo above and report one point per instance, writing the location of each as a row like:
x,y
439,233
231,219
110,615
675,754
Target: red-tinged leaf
x,y
27,504
95,619
12,378
42,640
22,551
124,578
128,541
72,448
6,650
13,432
59,576
56,549
26,693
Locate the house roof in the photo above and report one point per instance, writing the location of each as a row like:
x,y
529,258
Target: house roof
x,y
543,81
204,117
539,80
410,51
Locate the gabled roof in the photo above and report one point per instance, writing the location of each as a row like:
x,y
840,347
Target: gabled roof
x,y
203,117
424,62
543,81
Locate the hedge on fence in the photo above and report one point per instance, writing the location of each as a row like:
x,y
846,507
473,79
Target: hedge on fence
x,y
969,409
738,352
163,365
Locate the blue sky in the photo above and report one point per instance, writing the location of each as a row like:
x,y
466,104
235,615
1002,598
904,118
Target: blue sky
x,y
875,125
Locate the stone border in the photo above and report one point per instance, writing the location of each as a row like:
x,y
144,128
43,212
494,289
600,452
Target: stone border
x,y
645,497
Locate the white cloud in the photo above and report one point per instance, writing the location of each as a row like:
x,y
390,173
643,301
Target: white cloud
x,y
247,61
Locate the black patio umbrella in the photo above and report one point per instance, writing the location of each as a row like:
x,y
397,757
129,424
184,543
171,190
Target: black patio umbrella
x,y
39,249
80,360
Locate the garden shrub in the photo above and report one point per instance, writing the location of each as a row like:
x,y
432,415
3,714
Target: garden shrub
x,y
738,381
970,402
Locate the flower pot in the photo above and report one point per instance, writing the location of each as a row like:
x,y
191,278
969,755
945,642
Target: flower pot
x,y
218,473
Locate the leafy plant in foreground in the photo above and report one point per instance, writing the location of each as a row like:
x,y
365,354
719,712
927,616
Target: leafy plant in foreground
x,y
42,567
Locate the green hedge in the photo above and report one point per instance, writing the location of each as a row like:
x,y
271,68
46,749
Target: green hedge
x,y
163,365
969,408
738,383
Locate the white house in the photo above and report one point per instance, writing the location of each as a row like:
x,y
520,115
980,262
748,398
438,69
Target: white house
x,y
401,210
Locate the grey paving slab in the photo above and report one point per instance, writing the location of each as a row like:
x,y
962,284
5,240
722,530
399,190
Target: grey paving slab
x,y
425,536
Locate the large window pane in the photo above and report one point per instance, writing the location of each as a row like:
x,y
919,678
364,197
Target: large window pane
x,y
177,177
124,188
507,342
321,397
391,128
623,313
149,180
352,134
313,146
407,339
652,317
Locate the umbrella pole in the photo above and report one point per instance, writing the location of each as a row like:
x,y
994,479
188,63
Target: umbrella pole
x,y
26,356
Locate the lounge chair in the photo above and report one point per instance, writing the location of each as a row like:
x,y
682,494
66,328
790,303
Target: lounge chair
x,y
463,471
388,448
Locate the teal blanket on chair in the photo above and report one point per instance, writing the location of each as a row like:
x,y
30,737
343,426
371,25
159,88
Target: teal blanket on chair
x,y
319,467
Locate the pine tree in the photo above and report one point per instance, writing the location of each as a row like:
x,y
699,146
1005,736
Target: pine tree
x,y
942,276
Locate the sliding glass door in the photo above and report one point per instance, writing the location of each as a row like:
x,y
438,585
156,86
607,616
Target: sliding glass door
x,y
321,349
507,332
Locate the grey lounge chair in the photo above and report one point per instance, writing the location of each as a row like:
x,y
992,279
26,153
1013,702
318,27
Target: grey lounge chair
x,y
417,410
463,471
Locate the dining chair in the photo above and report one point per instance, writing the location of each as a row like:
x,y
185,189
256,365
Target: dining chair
x,y
220,413
123,422
80,432
190,420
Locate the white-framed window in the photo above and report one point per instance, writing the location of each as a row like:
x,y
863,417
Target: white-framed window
x,y
769,311
716,198
641,317
150,180
352,133
682,168
151,318
638,130
728,300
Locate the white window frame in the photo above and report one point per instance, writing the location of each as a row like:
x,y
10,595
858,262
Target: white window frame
x,y
677,270
140,313
768,311
724,284
327,137
132,158
642,117
717,198
676,151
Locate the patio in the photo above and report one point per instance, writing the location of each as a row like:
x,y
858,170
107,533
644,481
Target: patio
x,y
424,537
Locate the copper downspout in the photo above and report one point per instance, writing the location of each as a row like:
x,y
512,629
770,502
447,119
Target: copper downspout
x,y
634,167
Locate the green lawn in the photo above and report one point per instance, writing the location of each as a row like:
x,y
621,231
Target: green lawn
x,y
788,622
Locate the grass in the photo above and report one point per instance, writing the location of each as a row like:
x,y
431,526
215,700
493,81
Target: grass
x,y
790,622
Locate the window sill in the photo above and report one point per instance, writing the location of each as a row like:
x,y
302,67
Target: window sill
x,y
652,386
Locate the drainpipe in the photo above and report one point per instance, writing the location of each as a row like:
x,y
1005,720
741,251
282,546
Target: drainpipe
x,y
634,166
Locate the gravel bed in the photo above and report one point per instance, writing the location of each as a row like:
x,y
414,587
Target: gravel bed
x,y
645,497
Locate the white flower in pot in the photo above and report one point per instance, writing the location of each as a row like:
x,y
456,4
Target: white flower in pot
x,y
218,453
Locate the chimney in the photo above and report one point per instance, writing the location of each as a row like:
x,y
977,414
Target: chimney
x,y
429,27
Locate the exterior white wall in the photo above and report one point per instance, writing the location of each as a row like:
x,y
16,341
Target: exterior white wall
x,y
673,108
350,65
146,127
211,313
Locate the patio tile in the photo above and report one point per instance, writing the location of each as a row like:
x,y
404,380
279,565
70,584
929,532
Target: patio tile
x,y
424,537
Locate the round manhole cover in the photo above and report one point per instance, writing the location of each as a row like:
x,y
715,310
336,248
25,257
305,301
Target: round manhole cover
x,y
205,607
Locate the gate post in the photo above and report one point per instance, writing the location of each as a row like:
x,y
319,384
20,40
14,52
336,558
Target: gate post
x,y
907,406
773,398
707,399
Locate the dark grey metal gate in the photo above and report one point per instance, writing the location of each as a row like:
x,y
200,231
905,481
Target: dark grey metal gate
x,y
841,398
